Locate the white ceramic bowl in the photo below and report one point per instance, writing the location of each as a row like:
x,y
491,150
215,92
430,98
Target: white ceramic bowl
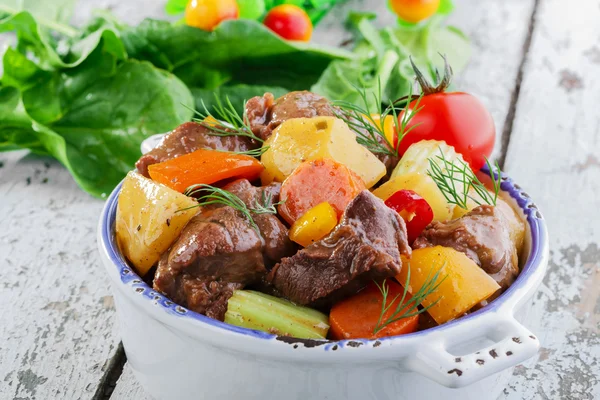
x,y
178,354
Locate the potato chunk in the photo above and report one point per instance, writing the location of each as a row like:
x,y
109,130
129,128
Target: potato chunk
x,y
149,220
304,139
462,284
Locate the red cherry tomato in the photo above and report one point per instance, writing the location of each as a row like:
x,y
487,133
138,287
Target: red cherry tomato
x,y
414,209
414,10
290,22
457,118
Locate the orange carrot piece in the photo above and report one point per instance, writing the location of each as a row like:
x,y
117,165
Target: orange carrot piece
x,y
357,316
315,182
204,166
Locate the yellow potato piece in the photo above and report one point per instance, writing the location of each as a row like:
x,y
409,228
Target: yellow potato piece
x,y
314,225
424,186
148,220
462,283
303,139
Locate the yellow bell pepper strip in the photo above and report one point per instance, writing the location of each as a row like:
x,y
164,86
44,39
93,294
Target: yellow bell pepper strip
x,y
314,225
388,127
462,284
204,166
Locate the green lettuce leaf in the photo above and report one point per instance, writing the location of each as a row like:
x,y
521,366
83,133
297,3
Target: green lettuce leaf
x,y
422,42
237,52
93,117
35,38
16,130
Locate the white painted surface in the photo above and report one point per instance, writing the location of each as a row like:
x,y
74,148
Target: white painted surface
x,y
56,321
555,154
57,328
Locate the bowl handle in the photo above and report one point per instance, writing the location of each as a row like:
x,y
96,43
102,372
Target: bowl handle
x,y
513,343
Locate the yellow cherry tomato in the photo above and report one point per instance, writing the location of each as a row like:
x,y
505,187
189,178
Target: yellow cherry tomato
x,y
314,225
208,14
414,10
388,126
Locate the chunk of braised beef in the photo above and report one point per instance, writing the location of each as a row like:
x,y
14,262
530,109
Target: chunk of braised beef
x,y
272,230
258,112
217,248
207,295
366,245
265,115
484,236
187,138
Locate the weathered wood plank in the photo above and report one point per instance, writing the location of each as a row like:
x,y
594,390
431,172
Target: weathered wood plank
x,y
57,315
498,30
128,387
554,153
57,328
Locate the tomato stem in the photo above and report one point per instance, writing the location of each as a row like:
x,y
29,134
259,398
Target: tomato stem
x,y
441,84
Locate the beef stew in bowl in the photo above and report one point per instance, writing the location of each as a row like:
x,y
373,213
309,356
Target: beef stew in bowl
x,y
288,221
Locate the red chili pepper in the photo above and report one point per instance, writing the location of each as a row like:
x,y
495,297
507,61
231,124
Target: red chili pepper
x,y
413,209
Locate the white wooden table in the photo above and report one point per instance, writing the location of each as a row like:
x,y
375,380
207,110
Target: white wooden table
x,y
536,65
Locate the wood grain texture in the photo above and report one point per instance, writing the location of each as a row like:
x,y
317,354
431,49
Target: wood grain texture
x,y
56,315
58,332
128,387
554,154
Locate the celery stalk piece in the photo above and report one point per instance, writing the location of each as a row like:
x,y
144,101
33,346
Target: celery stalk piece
x,y
259,311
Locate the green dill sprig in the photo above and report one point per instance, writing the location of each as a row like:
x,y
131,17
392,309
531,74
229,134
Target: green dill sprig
x,y
266,205
371,134
233,124
256,153
214,195
450,173
411,308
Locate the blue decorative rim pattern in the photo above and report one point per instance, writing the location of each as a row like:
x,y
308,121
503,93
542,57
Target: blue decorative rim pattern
x,y
135,283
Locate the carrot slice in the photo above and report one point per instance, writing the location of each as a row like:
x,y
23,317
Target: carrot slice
x,y
357,316
315,182
204,166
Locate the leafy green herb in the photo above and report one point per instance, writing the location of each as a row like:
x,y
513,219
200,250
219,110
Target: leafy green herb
x,y
92,117
411,307
53,15
369,132
422,42
237,52
214,195
266,205
233,123
447,174
256,153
